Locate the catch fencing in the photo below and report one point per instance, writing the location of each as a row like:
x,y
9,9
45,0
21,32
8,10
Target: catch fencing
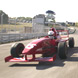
x,y
11,34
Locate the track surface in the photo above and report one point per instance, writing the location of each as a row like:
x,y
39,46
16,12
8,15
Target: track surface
x,y
58,69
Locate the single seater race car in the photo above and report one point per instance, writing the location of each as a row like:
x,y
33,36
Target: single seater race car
x,y
45,46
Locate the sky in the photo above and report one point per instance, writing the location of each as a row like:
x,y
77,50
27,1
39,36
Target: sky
x,y
66,10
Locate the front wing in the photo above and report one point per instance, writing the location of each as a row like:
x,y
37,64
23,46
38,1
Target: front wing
x,y
11,59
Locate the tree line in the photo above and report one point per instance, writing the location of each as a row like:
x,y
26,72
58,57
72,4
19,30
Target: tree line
x,y
5,18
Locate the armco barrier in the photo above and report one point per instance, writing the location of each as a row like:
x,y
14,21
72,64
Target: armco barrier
x,y
17,37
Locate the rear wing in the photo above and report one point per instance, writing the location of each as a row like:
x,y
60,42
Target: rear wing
x,y
63,33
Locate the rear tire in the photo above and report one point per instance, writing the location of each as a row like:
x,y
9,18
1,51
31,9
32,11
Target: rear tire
x,y
62,50
17,49
71,42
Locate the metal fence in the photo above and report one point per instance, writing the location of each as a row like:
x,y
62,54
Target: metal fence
x,y
15,32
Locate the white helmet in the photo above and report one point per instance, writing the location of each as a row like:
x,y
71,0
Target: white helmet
x,y
50,34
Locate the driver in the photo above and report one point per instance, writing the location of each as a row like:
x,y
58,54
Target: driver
x,y
54,30
51,35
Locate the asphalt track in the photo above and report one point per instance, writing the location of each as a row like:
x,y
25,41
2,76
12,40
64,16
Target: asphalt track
x,y
67,68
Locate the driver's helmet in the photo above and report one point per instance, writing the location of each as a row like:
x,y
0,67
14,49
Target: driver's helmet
x,y
54,30
51,34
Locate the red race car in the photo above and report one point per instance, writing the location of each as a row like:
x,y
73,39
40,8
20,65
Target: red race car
x,y
45,48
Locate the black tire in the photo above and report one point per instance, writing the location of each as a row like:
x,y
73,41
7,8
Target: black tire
x,y
17,49
62,50
71,42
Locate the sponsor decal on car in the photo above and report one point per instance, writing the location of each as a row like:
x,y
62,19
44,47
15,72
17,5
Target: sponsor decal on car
x,y
30,46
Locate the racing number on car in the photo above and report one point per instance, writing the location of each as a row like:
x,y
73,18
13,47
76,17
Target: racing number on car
x,y
30,46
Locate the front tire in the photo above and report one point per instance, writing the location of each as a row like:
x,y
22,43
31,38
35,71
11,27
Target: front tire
x,y
62,50
17,49
71,42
